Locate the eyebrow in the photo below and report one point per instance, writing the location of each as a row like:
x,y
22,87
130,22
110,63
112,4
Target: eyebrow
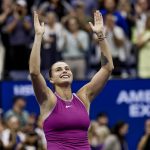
x,y
61,67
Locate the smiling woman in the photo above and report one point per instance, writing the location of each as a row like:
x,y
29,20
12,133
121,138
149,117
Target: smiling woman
x,y
66,114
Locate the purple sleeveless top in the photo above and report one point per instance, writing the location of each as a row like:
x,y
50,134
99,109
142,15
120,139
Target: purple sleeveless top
x,y
66,128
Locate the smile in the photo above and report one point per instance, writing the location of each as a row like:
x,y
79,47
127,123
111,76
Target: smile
x,y
65,76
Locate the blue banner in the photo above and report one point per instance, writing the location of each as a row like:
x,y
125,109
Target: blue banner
x,y
127,100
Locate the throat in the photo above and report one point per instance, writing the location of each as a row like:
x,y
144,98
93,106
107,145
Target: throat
x,y
65,94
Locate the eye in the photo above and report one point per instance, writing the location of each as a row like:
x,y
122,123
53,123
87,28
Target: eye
x,y
67,68
58,69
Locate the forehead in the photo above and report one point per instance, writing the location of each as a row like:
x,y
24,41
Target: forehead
x,y
59,64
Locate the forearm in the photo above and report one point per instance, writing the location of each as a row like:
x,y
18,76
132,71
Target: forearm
x,y
35,60
106,58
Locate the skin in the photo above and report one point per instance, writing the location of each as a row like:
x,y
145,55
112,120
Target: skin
x,y
61,74
145,136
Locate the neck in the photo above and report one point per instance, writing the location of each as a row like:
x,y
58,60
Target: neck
x,y
64,92
51,25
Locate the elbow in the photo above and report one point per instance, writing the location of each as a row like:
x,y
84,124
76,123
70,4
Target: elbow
x,y
109,68
33,69
34,73
112,67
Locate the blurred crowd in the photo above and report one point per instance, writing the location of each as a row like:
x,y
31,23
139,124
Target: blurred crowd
x,y
68,36
20,130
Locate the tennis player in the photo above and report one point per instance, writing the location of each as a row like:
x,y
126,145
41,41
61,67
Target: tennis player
x,y
66,114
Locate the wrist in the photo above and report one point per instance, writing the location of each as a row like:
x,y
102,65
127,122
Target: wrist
x,y
101,36
38,35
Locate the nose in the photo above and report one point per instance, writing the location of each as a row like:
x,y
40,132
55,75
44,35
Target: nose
x,y
64,71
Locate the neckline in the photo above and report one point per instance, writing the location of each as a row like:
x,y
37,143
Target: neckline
x,y
66,100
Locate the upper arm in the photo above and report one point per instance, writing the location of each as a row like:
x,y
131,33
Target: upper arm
x,y
91,89
42,91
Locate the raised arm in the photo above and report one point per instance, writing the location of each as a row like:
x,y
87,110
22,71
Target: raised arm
x,y
90,90
42,92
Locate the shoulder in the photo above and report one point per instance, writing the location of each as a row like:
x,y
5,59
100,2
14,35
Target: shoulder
x,y
81,94
9,113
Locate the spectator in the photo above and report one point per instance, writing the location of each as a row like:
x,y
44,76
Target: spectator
x,y
55,6
116,140
52,36
143,43
74,46
19,104
39,131
102,119
19,29
117,41
126,11
11,136
2,127
144,143
97,135
5,12
95,56
32,139
90,5
141,10
110,8
93,137
83,18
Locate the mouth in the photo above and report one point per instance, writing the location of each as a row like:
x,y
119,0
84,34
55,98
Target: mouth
x,y
65,76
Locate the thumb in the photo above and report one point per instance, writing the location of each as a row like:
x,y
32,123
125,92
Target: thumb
x,y
42,24
91,25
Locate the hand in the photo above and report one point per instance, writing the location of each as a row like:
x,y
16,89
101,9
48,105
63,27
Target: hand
x,y
39,29
98,26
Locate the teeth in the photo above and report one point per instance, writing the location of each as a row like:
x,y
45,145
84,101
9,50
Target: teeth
x,y
65,76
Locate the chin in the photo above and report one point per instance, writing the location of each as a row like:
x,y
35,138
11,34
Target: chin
x,y
66,81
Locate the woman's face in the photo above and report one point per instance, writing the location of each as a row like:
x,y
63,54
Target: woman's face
x,y
73,25
109,5
124,129
61,74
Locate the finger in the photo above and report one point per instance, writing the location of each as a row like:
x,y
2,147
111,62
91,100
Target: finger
x,y
99,17
91,25
95,18
36,19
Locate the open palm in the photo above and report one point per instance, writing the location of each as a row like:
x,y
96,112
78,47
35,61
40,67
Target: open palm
x,y
98,26
39,28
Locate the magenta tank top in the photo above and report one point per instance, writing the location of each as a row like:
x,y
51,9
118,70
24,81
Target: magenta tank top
x,y
66,128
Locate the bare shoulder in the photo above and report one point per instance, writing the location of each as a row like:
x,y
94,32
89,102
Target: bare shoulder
x,y
81,93
47,106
